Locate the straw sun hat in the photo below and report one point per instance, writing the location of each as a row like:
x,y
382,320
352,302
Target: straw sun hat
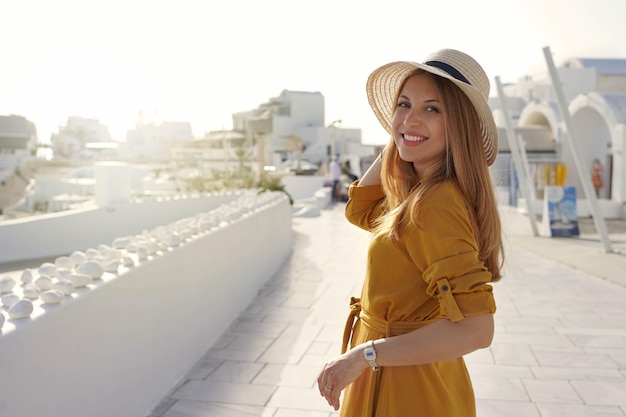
x,y
456,66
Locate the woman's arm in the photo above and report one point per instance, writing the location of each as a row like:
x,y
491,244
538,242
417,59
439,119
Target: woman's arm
x,y
364,205
438,341
372,175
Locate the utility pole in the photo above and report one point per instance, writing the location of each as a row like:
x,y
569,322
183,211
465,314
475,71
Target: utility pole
x,y
333,144
518,151
570,137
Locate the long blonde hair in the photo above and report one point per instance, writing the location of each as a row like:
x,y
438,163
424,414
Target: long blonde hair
x,y
463,163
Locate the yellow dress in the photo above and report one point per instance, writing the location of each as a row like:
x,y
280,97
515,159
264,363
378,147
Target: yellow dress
x,y
432,273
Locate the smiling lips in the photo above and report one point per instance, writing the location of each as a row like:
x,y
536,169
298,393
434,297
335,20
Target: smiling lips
x,y
410,140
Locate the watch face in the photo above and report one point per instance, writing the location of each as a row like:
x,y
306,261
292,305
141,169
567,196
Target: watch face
x,y
370,354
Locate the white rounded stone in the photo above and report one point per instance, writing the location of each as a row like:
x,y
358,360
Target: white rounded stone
x,y
53,296
44,282
92,253
22,309
121,242
142,252
48,269
127,261
64,262
100,259
27,276
65,285
114,254
92,269
31,291
6,284
9,299
63,273
153,248
78,258
112,266
79,280
104,249
173,240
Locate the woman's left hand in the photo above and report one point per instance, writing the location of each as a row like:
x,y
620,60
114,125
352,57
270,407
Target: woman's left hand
x,y
337,374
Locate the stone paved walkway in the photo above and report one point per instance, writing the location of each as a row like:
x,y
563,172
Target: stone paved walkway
x,y
559,348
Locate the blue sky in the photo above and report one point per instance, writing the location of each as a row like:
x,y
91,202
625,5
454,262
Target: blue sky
x,y
201,61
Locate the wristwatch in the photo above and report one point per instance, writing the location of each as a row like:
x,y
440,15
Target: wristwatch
x,y
370,356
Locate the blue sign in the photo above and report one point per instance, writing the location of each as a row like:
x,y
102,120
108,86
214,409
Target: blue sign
x,y
562,211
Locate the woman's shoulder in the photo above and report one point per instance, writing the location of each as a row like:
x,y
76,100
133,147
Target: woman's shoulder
x,y
445,191
443,201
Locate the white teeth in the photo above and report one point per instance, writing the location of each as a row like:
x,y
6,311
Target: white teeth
x,y
414,138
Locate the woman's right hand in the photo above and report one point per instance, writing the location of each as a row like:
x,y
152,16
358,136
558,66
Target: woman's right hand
x,y
339,373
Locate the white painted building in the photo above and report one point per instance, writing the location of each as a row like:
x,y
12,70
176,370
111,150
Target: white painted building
x,y
83,138
18,141
18,144
291,123
595,90
155,141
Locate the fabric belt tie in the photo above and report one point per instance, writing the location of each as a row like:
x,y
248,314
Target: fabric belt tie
x,y
355,310
388,328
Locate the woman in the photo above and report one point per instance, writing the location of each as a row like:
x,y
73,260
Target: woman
x,y
596,176
429,202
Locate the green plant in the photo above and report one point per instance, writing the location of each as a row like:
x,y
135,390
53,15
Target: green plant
x,y
268,183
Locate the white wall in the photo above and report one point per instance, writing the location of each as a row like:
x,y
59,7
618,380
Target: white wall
x,y
619,164
60,233
113,181
303,186
117,348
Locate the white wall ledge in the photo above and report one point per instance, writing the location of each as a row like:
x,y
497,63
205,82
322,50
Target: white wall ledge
x,y
115,347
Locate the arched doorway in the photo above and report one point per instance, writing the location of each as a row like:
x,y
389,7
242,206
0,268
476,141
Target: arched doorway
x,y
594,144
545,155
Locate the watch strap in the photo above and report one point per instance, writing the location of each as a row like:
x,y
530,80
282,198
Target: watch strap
x,y
370,356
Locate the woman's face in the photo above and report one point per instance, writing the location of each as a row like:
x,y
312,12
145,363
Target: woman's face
x,y
418,124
